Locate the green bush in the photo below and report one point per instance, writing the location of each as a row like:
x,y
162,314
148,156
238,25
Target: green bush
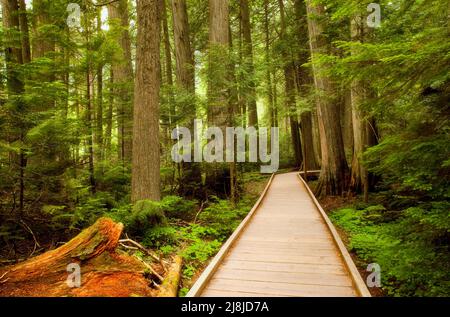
x,y
178,207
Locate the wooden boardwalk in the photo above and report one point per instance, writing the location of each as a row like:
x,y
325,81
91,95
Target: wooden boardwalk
x,y
285,247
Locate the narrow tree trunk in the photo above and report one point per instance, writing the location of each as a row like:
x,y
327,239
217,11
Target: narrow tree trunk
x,y
99,106
275,99
146,150
89,109
109,117
269,88
334,166
90,135
99,116
167,50
233,106
250,91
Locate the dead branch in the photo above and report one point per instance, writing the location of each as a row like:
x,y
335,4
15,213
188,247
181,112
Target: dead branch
x,y
152,270
143,249
199,211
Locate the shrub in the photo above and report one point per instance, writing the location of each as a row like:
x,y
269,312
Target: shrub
x,y
178,207
159,236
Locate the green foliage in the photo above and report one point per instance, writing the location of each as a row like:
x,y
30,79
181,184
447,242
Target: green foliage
x,y
412,251
222,217
178,207
183,292
160,236
202,244
201,251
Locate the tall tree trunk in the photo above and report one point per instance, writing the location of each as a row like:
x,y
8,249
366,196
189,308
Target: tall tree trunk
x,y
334,166
250,91
123,79
109,117
233,107
363,132
89,112
89,117
14,58
43,42
269,88
146,149
167,50
166,120
186,81
99,105
289,76
24,32
183,51
304,79
275,99
346,121
218,175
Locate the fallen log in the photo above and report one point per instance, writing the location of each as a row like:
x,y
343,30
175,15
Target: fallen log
x,y
104,270
169,287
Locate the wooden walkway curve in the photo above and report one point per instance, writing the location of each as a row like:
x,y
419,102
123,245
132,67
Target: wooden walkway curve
x,y
286,246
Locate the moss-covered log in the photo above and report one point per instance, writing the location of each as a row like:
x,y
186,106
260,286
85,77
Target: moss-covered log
x,y
104,271
169,287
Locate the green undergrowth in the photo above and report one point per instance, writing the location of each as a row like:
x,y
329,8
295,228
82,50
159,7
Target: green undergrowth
x,y
411,245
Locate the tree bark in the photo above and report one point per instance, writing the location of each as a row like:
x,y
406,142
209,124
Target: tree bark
x,y
269,87
218,174
333,177
186,82
43,43
109,117
304,79
123,78
363,127
289,76
146,149
14,57
250,91
25,33
99,105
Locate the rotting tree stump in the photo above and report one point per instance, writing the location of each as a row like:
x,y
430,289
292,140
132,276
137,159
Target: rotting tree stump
x,y
104,270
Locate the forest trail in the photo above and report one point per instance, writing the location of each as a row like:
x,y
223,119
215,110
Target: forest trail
x,y
285,247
